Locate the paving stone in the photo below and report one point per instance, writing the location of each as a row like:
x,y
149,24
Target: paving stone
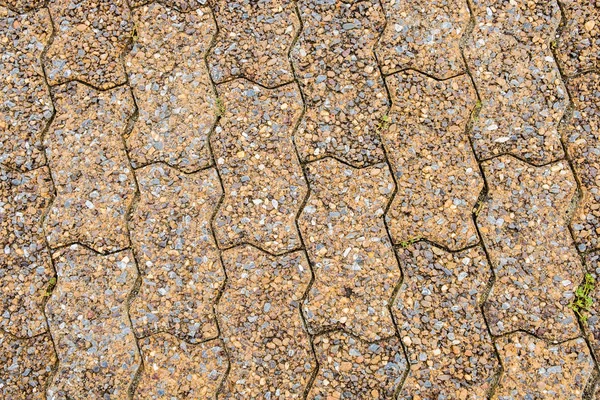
x,y
578,45
353,261
441,324
424,36
90,39
534,369
522,94
25,104
22,6
87,314
343,89
86,154
254,40
181,5
352,369
177,255
436,172
176,369
263,180
261,324
592,323
172,88
523,223
581,135
25,264
25,366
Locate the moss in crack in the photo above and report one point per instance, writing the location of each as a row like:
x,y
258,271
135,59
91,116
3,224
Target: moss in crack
x,y
583,301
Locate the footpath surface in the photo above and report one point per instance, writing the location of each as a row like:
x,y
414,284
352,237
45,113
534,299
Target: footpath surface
x,y
309,199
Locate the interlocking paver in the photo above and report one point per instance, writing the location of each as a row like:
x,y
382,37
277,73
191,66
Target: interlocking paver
x,y
181,5
25,104
176,369
523,223
87,314
436,172
353,260
578,46
592,316
86,155
178,257
22,6
522,94
172,88
263,180
352,369
261,324
90,39
253,41
25,264
343,88
424,36
441,324
25,366
581,135
534,369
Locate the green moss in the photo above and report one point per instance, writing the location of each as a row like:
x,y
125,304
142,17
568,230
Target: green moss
x,y
583,301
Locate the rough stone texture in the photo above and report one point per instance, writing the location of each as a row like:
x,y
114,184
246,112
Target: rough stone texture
x,y
177,255
172,88
592,324
263,180
176,369
86,155
25,104
578,46
253,41
523,96
534,369
352,369
181,5
424,36
22,6
337,70
261,324
581,136
523,223
25,264
441,324
436,172
25,366
90,39
353,261
87,314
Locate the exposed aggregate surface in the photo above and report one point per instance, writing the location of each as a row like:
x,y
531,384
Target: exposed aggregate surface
x,y
299,199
